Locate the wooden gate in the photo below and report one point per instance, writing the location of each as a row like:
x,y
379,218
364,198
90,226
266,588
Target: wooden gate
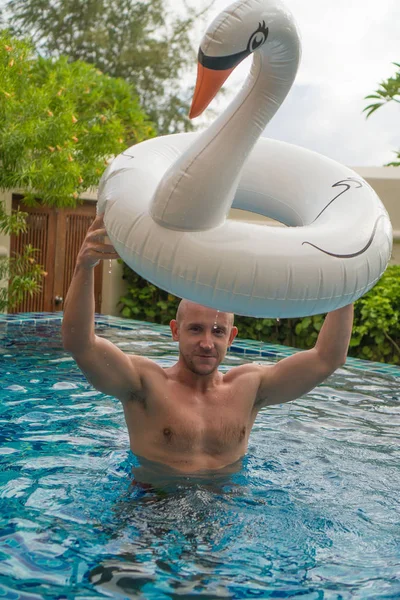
x,y
57,234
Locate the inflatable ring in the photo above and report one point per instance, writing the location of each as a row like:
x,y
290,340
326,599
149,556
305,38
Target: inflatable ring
x,y
166,200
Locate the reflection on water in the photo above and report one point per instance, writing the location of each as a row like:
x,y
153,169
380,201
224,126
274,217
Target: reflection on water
x,y
147,473
311,512
191,539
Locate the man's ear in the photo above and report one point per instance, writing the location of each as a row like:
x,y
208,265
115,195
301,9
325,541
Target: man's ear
x,y
233,334
174,330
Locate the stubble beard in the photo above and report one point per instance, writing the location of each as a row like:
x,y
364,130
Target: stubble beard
x,y
189,362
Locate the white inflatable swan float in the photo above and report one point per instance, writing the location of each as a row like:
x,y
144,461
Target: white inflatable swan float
x,y
166,201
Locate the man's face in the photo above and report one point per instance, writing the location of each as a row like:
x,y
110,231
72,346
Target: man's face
x,y
204,335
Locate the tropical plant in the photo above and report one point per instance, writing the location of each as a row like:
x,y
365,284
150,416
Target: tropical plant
x,y
26,275
388,91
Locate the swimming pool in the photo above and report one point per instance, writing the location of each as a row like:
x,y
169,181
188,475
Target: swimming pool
x,y
314,512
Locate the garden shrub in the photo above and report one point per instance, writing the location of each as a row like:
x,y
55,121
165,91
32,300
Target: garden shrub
x,y
376,331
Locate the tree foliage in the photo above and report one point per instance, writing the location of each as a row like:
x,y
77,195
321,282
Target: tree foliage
x,y
60,122
138,40
388,91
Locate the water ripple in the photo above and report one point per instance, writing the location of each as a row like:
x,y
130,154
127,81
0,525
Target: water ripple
x,y
314,512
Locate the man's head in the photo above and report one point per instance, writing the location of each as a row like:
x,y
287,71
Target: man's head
x,y
204,335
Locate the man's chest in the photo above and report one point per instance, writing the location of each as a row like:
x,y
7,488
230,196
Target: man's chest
x,y
214,422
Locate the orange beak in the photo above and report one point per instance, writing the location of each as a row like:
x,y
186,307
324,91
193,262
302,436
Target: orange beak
x,y
209,82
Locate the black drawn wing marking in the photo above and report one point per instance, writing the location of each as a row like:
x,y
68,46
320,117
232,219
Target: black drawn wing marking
x,y
126,154
347,186
367,245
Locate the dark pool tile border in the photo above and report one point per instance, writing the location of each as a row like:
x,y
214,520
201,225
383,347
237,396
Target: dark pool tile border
x,y
249,348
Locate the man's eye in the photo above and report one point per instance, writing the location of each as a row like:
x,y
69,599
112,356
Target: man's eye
x,y
219,331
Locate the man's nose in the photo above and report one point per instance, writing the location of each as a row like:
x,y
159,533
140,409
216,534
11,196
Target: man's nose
x,y
207,341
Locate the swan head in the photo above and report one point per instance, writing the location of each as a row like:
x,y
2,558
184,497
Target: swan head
x,y
241,29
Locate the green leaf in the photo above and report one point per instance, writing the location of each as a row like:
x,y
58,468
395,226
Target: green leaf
x,y
372,108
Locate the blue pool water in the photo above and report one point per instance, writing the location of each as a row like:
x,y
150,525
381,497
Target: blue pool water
x,y
312,514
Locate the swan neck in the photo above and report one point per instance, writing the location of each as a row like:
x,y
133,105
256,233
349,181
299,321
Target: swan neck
x,y
197,192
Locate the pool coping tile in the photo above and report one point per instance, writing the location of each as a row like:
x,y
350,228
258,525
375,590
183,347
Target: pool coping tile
x,y
245,348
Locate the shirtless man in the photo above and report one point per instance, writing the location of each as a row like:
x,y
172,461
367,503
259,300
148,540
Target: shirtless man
x,y
190,417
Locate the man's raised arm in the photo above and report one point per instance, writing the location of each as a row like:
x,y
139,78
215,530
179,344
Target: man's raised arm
x,y
298,374
108,368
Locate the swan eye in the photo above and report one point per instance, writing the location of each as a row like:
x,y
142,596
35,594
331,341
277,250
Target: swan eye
x,y
258,38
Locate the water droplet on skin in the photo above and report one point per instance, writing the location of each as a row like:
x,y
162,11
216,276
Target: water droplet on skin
x,y
109,266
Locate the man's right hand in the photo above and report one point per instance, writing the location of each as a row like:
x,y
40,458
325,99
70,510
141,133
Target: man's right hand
x,y
94,247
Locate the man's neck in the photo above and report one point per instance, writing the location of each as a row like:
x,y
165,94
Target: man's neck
x,y
195,381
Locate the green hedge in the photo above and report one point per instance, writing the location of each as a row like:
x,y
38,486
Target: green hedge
x,y
376,331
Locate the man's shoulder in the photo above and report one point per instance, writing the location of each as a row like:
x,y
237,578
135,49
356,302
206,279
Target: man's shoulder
x,y
250,370
146,365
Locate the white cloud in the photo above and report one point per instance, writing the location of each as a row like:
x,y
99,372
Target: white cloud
x,y
348,49
316,117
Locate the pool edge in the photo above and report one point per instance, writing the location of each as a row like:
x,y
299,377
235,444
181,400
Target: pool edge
x,y
247,348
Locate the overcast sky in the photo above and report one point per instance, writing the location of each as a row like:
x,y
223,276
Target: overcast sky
x,y
348,47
